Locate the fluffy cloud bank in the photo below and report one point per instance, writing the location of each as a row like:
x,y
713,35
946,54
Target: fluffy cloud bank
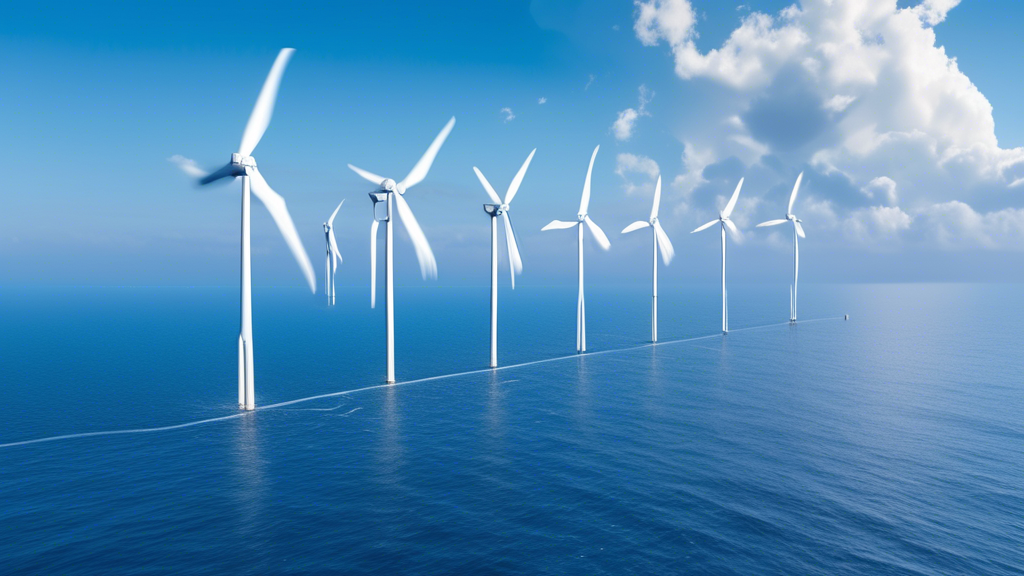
x,y
859,91
623,126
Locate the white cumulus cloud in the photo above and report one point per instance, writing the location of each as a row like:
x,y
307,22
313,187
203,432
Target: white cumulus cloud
x,y
623,125
627,165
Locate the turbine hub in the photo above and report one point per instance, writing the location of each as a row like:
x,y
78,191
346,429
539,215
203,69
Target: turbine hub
x,y
388,185
581,217
243,161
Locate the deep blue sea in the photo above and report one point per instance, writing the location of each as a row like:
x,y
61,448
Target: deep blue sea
x,y
892,443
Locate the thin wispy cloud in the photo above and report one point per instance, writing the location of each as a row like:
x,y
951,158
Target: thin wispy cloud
x,y
623,126
590,81
187,165
509,116
542,100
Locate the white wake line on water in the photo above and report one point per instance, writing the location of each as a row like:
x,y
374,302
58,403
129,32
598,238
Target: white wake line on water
x,y
395,385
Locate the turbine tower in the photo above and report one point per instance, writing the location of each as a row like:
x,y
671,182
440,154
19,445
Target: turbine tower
x,y
243,165
515,262
389,192
333,255
662,243
602,240
725,222
798,232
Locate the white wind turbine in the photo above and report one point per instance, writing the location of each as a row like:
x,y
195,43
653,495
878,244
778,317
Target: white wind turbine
x,y
515,262
243,165
798,231
662,243
723,219
581,219
333,255
385,192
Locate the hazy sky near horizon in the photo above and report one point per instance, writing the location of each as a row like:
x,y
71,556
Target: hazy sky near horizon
x,y
902,115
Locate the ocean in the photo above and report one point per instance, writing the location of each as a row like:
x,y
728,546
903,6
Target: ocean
x,y
889,443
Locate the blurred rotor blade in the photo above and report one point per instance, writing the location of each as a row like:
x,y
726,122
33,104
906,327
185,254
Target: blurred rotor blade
x,y
515,262
598,233
279,212
732,228
635,226
706,226
368,176
657,199
514,186
330,222
732,201
487,186
771,223
558,225
792,197
428,266
228,170
664,244
799,229
373,263
419,171
585,200
264,108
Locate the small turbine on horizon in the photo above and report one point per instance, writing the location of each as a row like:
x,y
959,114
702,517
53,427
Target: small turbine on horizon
x,y
798,232
333,255
725,222
243,165
387,191
662,243
515,262
582,218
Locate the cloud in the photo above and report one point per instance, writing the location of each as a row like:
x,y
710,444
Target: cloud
x,y
188,166
881,187
542,100
590,80
623,125
956,225
627,164
509,116
876,224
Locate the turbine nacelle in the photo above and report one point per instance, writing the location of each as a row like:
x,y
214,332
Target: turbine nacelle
x,y
496,209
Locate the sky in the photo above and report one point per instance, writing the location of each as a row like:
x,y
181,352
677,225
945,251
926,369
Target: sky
x,y
901,115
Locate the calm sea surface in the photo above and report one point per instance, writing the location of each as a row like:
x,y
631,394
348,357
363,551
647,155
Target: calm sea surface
x,y
892,443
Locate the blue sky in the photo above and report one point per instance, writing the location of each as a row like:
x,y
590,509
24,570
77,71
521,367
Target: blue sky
x,y
901,114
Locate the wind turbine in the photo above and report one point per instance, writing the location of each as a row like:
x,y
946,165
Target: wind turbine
x,y
515,262
384,194
725,222
333,255
798,232
602,240
243,165
662,243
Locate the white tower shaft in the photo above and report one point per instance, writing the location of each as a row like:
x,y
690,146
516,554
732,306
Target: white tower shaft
x,y
246,385
654,298
581,309
494,289
725,300
796,273
389,291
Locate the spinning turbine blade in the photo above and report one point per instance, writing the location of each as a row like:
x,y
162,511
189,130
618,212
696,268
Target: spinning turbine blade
x,y
373,263
585,200
419,171
279,211
330,221
792,197
264,108
487,186
657,199
514,186
706,226
799,229
598,233
732,201
732,228
664,244
558,225
428,266
635,226
515,263
334,249
226,171
771,223
369,176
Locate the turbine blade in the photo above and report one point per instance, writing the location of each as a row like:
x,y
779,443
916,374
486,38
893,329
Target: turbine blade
x,y
771,223
635,226
264,108
792,197
334,249
373,263
558,225
706,226
799,229
514,186
419,171
515,263
330,221
487,186
664,244
428,266
279,212
585,200
368,176
732,201
657,199
226,171
598,233
732,228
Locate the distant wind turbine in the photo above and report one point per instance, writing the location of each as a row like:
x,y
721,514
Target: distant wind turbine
x,y
243,165
333,255
388,190
662,243
725,222
798,232
515,262
602,240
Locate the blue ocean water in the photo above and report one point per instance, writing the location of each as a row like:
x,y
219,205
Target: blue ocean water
x,y
891,443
